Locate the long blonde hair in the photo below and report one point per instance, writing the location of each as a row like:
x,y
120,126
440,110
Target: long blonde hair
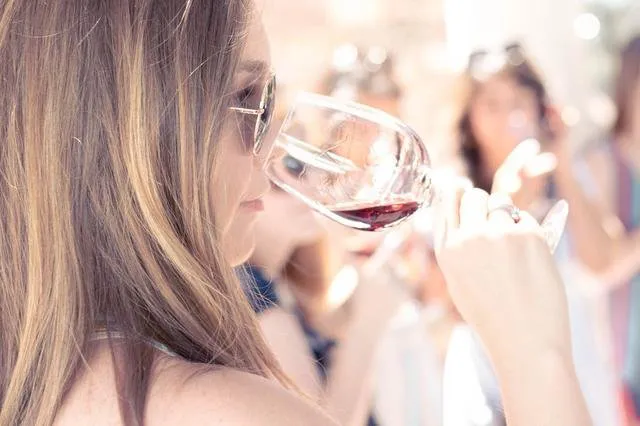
x,y
109,113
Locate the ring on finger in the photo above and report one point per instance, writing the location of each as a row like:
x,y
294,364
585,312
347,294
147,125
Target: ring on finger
x,y
510,209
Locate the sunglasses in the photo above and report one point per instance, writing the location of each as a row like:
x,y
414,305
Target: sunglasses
x,y
512,53
259,118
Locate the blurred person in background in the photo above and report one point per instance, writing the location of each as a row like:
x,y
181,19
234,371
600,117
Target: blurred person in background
x,y
321,320
505,125
320,314
605,221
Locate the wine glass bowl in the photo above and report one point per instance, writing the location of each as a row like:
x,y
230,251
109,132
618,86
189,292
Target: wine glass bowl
x,y
355,164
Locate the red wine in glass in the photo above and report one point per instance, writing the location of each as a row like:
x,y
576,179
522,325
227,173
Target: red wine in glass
x,y
379,216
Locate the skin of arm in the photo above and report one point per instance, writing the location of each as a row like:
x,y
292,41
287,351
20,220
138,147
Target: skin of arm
x,y
540,387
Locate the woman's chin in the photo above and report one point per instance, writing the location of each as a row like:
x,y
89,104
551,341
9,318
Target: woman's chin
x,y
240,256
239,246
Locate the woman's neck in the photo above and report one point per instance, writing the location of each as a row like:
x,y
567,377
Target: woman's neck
x,y
313,267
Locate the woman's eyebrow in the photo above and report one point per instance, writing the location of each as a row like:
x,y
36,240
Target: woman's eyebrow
x,y
254,67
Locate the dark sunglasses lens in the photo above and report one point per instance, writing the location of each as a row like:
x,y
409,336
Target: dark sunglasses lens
x,y
264,120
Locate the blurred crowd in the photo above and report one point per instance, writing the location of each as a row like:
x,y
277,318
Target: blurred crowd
x,y
363,323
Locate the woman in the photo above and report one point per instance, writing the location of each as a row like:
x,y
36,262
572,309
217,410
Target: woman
x,y
116,171
504,103
504,124
607,232
128,190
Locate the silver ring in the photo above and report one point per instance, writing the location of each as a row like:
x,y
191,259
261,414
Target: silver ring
x,y
510,209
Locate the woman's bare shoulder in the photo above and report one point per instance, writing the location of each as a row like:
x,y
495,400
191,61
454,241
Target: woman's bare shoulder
x,y
181,392
186,393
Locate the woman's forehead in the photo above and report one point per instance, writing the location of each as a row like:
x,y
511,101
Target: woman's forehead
x,y
257,45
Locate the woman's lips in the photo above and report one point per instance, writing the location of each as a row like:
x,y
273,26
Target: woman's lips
x,y
256,205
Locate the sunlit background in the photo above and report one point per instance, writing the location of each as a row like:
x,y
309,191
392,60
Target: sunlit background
x,y
573,42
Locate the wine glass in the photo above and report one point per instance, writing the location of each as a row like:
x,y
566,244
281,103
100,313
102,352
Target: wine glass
x,y
360,166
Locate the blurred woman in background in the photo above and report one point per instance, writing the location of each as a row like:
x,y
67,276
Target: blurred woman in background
x,y
320,317
605,221
504,126
504,103
320,314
